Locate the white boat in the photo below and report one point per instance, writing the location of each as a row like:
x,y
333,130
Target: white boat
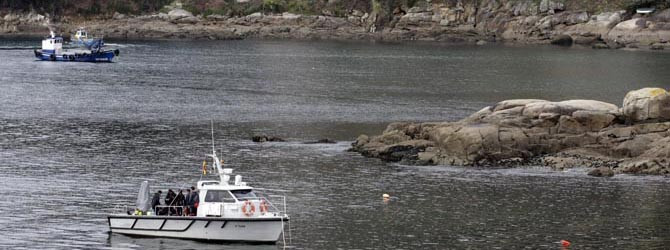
x,y
226,212
52,50
645,10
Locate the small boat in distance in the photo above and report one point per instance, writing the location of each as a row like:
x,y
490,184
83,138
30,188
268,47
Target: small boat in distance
x,y
224,212
81,39
52,50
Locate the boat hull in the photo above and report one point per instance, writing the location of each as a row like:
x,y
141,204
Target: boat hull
x,y
256,230
102,56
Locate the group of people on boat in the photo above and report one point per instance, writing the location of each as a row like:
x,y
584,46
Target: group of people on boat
x,y
181,203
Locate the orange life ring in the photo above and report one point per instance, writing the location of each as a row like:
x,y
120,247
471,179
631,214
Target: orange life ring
x,y
263,207
250,211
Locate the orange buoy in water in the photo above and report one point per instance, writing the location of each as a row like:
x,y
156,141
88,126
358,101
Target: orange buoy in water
x,y
565,243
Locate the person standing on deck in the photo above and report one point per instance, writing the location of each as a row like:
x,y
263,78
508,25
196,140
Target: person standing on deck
x,y
187,202
179,202
156,200
195,199
169,201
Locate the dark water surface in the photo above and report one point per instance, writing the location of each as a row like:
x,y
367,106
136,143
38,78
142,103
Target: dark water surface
x,y
76,139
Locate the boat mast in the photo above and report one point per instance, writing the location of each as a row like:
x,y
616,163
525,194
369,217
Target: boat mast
x,y
217,163
212,126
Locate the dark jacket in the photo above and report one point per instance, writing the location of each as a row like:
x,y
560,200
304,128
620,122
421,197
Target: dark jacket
x,y
179,200
195,198
169,198
187,199
156,200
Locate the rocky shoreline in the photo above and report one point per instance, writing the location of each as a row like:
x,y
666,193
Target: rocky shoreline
x,y
525,22
632,139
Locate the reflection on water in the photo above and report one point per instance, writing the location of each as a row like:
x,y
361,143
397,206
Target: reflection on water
x,y
77,140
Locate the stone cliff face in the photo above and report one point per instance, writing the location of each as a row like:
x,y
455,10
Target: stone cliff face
x,y
633,139
27,23
520,21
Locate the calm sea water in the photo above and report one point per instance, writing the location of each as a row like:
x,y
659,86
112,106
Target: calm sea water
x,y
76,139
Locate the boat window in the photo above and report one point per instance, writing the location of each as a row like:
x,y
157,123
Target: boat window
x,y
244,194
218,196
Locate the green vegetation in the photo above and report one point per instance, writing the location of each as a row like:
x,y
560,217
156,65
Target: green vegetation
x,y
78,7
233,8
383,9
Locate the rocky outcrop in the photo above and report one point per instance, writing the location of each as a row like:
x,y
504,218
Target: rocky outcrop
x,y
601,172
321,141
24,23
646,104
518,21
265,138
588,133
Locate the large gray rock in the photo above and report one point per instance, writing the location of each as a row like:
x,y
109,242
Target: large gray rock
x,y
118,16
607,19
187,20
593,120
575,18
646,103
507,104
562,134
11,17
646,166
217,17
601,172
176,14
567,107
551,6
632,24
419,18
597,25
290,16
662,16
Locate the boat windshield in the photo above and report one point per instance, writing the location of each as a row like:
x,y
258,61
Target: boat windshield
x,y
218,196
244,194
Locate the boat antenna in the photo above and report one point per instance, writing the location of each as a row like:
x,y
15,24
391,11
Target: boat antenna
x,y
213,150
224,178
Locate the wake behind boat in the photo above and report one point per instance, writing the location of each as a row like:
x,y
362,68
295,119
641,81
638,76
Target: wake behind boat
x,y
224,212
90,51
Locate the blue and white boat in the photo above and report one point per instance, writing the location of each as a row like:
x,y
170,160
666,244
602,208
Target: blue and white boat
x,y
81,39
52,50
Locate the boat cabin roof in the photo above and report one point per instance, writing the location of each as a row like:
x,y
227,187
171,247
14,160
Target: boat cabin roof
x,y
58,38
215,185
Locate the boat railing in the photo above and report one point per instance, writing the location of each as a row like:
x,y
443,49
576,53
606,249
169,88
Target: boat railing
x,y
279,199
283,213
283,202
170,210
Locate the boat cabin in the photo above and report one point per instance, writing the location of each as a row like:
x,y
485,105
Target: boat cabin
x,y
52,45
81,34
222,199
